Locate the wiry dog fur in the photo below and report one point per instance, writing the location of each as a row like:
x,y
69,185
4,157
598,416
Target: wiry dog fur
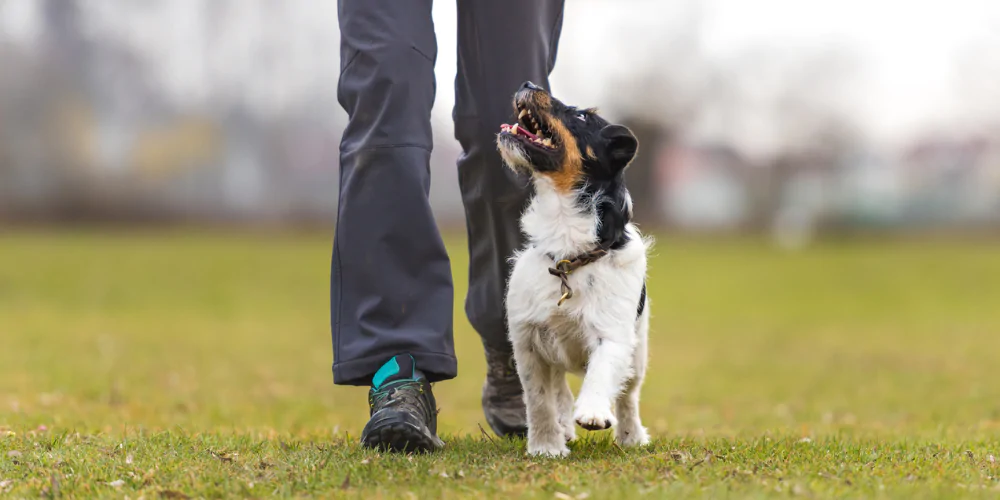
x,y
576,161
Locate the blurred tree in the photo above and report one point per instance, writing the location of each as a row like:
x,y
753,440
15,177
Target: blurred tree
x,y
818,136
641,176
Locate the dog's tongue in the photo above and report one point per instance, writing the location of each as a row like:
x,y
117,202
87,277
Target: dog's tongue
x,y
517,129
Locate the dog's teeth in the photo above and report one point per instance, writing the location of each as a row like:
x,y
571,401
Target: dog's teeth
x,y
547,142
522,113
513,129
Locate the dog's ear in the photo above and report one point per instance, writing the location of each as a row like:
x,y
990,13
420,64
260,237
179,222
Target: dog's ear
x,y
621,145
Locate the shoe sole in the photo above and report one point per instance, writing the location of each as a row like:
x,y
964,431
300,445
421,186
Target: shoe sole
x,y
400,432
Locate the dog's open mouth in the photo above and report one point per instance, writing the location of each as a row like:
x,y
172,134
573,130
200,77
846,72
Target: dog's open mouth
x,y
530,129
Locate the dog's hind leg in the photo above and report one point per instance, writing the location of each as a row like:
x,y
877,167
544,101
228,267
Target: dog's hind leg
x,y
545,434
564,403
630,431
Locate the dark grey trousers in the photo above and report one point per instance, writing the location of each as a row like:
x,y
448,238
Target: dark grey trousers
x,y
391,283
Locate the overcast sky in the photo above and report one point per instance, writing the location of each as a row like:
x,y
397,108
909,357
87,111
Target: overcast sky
x,y
908,47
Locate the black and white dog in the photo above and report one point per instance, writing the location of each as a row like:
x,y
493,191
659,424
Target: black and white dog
x,y
576,297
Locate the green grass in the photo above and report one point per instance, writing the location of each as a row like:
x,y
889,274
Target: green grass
x,y
185,363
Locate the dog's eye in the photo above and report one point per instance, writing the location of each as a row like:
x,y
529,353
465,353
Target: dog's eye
x,y
582,117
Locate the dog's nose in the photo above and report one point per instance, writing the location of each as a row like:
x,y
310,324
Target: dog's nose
x,y
530,86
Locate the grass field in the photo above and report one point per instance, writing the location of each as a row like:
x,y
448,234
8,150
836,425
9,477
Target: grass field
x,y
183,363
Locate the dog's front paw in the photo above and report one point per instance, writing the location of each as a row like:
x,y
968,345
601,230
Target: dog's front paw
x,y
635,435
569,432
548,449
595,418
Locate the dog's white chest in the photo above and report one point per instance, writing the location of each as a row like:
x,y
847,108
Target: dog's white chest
x,y
534,293
566,334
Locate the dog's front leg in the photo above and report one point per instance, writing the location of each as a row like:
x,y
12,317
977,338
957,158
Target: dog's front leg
x,y
630,431
564,402
607,370
545,435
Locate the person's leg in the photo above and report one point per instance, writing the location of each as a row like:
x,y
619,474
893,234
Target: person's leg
x,y
500,45
391,289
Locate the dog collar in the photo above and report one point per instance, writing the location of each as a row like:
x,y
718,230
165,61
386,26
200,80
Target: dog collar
x,y
564,267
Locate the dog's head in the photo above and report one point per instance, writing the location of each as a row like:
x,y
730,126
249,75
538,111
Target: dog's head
x,y
570,146
578,152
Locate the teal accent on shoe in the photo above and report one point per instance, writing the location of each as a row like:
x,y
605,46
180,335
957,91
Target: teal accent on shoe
x,y
387,370
400,367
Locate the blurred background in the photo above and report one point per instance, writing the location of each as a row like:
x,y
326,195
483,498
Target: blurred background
x,y
770,125
776,115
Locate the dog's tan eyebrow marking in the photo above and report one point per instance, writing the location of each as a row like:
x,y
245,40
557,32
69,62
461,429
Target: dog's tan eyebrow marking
x,y
566,178
590,153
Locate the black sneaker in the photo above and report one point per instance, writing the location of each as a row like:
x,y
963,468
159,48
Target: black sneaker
x,y
402,409
503,396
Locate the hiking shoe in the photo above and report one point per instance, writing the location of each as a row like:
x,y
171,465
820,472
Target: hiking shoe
x,y
402,409
503,396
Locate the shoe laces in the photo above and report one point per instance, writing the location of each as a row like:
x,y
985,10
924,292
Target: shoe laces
x,y
385,392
